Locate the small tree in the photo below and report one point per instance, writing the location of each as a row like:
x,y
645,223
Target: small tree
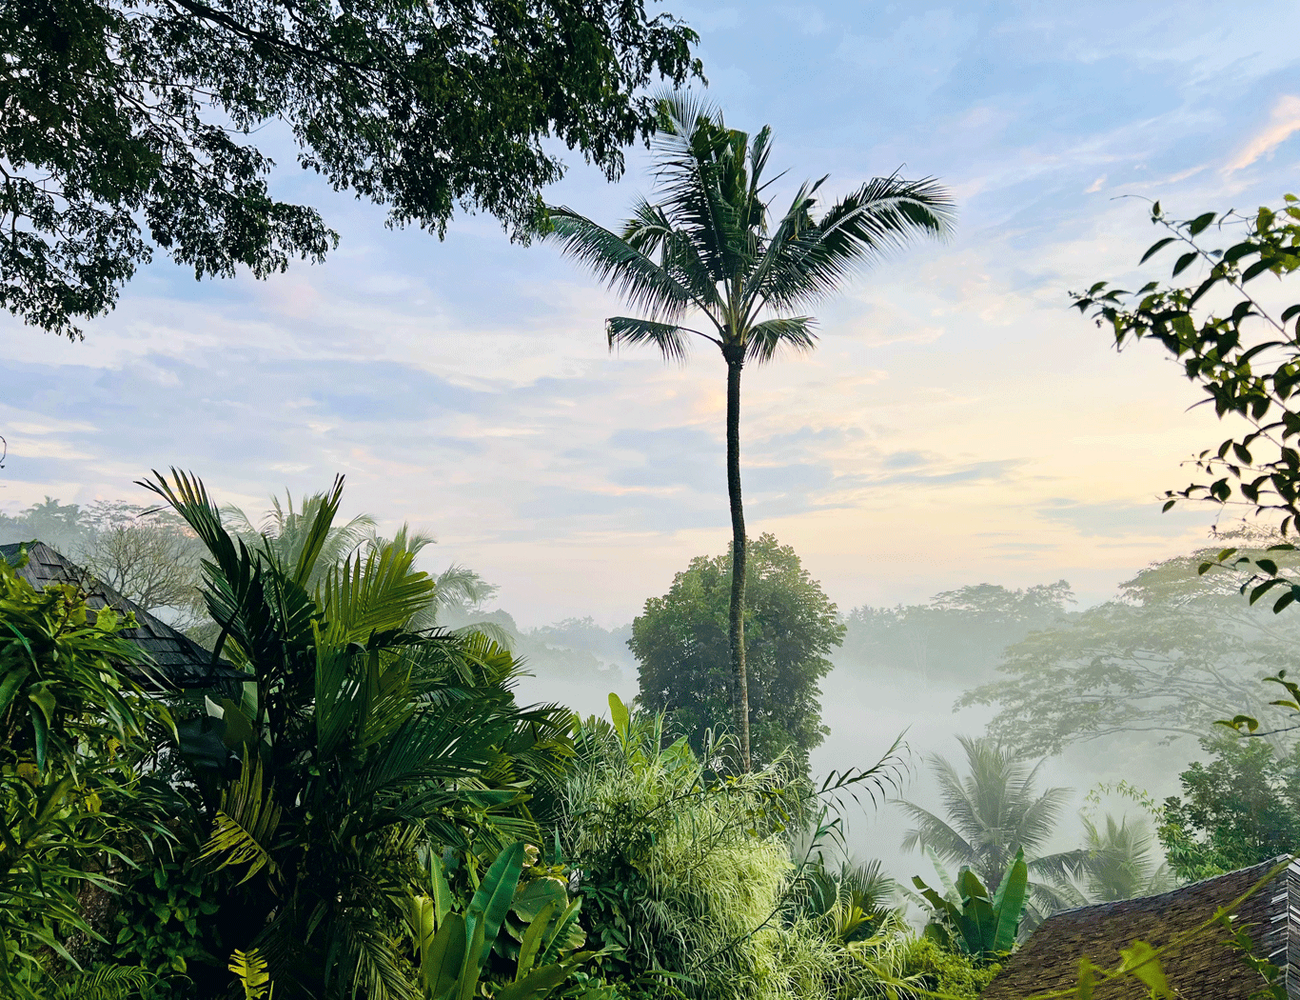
x,y
1239,809
680,642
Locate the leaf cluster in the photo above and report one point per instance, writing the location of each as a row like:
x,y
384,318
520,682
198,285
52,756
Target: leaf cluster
x,y
126,124
1228,342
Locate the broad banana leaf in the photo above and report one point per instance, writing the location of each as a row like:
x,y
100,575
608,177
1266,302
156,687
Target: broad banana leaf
x,y
444,960
1009,903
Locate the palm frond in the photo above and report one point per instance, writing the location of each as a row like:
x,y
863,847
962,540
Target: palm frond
x,y
934,834
106,982
368,958
250,969
377,592
459,586
767,338
883,215
701,172
235,594
245,824
317,533
667,337
636,278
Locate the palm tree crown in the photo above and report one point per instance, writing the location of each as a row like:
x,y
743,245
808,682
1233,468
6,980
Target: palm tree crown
x,y
994,811
707,247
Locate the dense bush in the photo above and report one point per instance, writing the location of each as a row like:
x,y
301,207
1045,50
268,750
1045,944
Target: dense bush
x,y
686,874
74,806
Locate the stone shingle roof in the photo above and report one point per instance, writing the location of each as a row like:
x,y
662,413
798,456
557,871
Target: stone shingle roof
x,y
177,659
1204,969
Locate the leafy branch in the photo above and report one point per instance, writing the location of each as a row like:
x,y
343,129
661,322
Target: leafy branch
x,y
1246,360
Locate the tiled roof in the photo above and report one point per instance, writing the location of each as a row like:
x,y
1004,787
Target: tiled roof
x,y
178,659
1204,969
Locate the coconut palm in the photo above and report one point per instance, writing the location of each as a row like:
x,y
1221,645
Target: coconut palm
x,y
706,247
994,811
287,530
1122,862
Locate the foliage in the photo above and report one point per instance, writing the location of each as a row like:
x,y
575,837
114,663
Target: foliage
x,y
959,634
685,874
680,641
1230,344
706,247
72,799
354,744
124,120
1239,809
981,924
165,922
852,903
993,813
454,949
943,972
1167,655
103,982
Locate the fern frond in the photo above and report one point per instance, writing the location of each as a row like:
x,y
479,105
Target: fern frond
x,y
245,824
250,967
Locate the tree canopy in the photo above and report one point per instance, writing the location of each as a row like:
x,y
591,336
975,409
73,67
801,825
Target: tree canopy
x,y
1172,653
1240,808
125,124
958,634
680,642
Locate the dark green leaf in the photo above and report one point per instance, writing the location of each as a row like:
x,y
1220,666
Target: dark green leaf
x,y
1154,249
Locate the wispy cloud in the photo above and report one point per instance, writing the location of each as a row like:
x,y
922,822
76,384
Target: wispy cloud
x,y
1284,121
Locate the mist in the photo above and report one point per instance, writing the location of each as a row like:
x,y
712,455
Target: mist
x,y
875,695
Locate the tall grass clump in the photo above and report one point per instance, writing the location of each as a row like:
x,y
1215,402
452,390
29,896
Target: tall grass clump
x,y
685,870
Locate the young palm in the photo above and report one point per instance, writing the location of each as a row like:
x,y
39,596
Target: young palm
x,y
706,247
355,743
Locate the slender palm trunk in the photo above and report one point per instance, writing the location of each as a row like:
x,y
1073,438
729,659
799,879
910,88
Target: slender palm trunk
x,y
736,633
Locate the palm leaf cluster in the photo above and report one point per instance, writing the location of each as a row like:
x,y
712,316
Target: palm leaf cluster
x,y
707,246
993,811
356,745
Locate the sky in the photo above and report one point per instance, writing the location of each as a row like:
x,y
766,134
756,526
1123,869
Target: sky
x,y
957,424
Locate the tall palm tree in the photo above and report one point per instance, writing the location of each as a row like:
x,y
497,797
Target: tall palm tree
x,y
706,247
994,811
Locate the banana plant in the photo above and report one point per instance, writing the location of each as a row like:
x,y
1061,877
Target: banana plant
x,y
453,948
985,928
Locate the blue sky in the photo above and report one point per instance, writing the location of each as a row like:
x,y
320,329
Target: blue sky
x,y
957,424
